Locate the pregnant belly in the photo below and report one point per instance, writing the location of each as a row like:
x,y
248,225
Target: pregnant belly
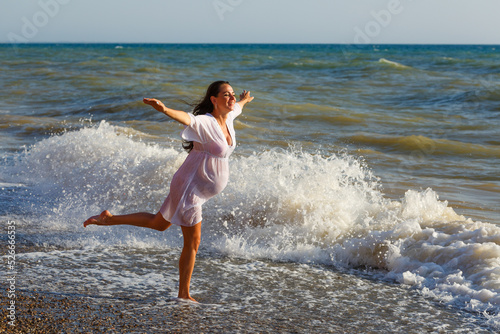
x,y
211,181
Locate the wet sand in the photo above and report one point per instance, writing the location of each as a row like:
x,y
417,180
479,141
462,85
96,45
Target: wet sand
x,y
48,312
62,313
59,313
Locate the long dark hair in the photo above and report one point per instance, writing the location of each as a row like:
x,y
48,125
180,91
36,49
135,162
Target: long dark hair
x,y
205,106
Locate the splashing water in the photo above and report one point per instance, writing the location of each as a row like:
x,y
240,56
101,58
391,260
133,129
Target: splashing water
x,y
280,205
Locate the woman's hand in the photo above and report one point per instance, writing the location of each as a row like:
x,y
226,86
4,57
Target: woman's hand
x,y
245,98
157,104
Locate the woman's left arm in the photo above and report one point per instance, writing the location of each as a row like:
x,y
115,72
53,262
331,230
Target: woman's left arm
x,y
244,98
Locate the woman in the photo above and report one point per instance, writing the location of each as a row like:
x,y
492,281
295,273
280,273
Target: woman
x,y
209,138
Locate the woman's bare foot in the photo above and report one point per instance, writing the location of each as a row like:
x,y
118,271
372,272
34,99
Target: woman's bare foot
x,y
189,299
102,219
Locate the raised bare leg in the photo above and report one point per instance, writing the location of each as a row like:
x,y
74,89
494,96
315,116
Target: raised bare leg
x,y
192,238
140,219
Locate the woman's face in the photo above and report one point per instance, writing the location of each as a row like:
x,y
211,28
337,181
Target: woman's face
x,y
225,100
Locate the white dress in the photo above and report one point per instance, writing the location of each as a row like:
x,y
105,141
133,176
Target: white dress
x,y
204,173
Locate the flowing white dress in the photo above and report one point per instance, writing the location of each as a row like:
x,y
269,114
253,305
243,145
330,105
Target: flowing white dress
x,y
204,173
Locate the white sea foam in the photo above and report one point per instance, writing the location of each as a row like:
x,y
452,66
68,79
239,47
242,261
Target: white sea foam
x,y
283,205
393,63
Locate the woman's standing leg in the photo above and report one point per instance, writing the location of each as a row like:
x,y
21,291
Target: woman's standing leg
x,y
192,238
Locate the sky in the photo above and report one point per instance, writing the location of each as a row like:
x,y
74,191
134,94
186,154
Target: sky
x,y
251,21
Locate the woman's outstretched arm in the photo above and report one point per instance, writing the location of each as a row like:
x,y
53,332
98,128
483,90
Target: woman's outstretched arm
x,y
180,116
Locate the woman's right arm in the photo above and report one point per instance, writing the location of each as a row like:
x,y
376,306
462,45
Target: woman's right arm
x,y
177,115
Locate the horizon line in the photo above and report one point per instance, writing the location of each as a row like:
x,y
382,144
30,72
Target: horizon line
x,y
241,43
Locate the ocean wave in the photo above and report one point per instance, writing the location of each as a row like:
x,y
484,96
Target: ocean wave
x,y
89,168
155,70
335,120
427,146
292,206
281,205
32,125
393,64
306,64
310,112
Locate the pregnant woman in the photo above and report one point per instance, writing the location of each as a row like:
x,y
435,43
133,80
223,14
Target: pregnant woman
x,y
210,139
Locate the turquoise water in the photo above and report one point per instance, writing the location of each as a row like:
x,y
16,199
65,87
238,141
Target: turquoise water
x,y
371,166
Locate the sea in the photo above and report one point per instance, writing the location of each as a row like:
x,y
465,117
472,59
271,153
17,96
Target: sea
x,y
363,195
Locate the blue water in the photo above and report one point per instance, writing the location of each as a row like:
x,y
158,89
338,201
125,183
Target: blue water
x,y
358,169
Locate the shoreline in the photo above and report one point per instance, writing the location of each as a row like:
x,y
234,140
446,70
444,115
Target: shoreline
x,y
48,312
